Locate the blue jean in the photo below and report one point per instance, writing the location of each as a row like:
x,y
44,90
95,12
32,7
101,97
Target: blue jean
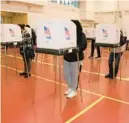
x,y
117,61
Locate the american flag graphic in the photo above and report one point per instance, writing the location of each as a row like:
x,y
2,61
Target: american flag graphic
x,y
47,32
67,34
12,32
105,33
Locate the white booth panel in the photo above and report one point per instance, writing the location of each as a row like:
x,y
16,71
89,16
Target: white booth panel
x,y
90,32
56,34
10,33
107,34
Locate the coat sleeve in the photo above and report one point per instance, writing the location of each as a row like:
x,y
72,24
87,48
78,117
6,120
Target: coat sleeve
x,y
82,45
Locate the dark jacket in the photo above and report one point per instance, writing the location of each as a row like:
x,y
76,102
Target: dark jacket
x,y
34,37
26,41
81,44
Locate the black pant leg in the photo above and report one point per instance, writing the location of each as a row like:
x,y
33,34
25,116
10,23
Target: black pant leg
x,y
117,62
92,47
98,51
110,63
79,76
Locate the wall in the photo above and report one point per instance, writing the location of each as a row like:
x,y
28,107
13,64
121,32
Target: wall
x,y
87,10
122,16
20,19
38,12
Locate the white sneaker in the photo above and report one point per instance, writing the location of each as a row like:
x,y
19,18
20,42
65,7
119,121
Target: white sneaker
x,y
68,91
72,94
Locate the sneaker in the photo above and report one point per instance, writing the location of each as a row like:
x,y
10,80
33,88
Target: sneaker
x,y
68,91
72,94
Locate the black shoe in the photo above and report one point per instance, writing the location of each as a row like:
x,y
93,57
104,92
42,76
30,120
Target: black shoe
x,y
22,74
27,75
108,76
97,57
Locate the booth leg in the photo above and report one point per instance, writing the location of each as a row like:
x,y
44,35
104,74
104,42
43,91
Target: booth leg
x,y
120,68
15,62
60,83
90,70
6,64
79,81
36,60
114,65
55,69
42,59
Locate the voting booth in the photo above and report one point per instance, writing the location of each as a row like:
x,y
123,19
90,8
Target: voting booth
x,y
90,33
56,36
10,33
107,35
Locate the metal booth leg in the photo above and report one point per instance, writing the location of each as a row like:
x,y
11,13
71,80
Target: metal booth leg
x,y
55,70
114,65
42,59
36,60
79,78
120,67
15,57
60,83
6,64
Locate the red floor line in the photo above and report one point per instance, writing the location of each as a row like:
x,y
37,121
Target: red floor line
x,y
89,92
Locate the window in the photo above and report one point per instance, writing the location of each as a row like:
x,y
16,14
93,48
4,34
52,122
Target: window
x,y
74,3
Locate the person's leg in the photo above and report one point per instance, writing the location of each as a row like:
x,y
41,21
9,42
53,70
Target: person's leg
x,y
117,61
28,69
67,75
98,52
92,48
25,69
29,64
110,64
74,79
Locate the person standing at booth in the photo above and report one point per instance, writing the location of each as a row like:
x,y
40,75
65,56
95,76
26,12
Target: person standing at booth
x,y
115,56
33,36
93,49
26,42
71,68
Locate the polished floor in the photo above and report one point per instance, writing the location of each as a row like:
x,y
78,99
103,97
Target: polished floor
x,y
40,100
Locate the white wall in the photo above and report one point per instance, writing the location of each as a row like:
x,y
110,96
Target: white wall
x,y
36,12
87,10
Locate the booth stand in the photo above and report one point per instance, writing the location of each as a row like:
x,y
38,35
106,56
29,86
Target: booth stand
x,y
56,37
10,33
108,35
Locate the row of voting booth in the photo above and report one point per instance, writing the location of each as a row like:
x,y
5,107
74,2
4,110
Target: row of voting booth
x,y
57,37
105,30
